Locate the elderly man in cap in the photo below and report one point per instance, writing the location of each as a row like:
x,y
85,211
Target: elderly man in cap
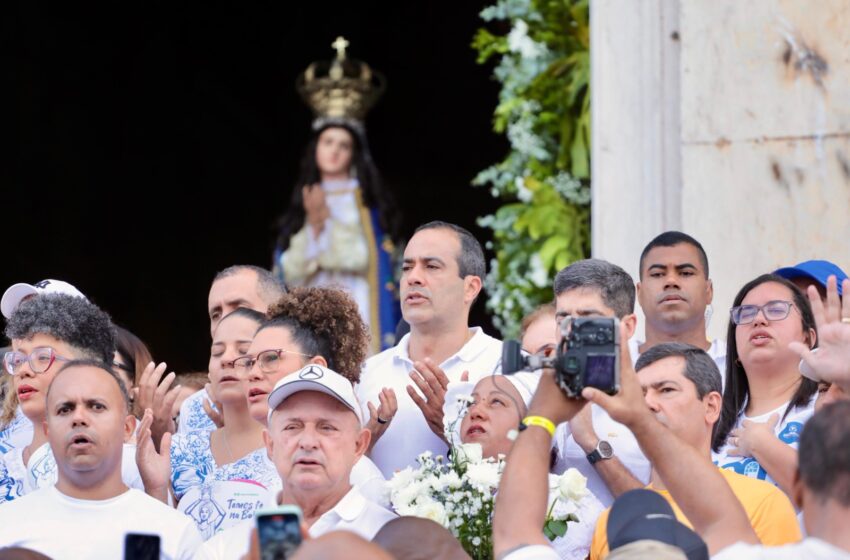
x,y
315,435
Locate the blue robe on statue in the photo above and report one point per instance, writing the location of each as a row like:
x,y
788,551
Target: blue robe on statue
x,y
352,252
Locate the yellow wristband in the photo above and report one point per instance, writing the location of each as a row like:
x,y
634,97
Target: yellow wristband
x,y
541,422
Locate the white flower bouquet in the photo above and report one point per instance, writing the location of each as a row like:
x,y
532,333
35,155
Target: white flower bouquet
x,y
458,494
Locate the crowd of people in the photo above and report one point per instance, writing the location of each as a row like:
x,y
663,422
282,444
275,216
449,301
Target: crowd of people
x,y
728,449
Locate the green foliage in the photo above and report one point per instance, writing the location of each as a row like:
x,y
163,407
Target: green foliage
x,y
543,64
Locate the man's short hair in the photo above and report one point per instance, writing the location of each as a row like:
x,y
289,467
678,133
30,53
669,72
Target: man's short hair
x,y
98,365
614,284
470,261
268,287
669,239
700,368
73,320
825,453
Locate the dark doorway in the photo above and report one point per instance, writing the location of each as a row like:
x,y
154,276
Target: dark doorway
x,y
154,143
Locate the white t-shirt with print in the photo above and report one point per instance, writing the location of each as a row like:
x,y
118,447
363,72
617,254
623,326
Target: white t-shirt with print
x,y
408,435
192,414
788,430
63,527
808,549
352,513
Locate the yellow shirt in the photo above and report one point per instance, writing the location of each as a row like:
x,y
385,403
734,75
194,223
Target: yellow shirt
x,y
768,508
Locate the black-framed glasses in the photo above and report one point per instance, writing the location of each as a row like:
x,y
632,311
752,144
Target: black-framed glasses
x,y
776,310
39,360
268,360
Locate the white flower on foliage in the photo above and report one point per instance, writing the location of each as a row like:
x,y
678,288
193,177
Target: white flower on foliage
x,y
483,475
470,452
522,192
523,139
433,510
572,485
537,272
520,42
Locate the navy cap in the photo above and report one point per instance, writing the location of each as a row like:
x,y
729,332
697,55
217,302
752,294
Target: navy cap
x,y
818,271
645,515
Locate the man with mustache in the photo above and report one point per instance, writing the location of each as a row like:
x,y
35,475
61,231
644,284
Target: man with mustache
x,y
315,436
90,510
403,388
681,387
674,291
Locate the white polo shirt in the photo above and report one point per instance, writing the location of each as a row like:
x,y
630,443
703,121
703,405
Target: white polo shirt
x,y
408,435
352,513
60,526
626,449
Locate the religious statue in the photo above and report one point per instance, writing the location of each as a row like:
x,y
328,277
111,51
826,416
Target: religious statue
x,y
341,225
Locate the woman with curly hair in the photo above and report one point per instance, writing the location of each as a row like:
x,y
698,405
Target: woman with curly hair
x,y
307,326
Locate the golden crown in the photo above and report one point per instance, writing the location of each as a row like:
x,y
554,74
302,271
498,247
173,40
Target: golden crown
x,y
342,89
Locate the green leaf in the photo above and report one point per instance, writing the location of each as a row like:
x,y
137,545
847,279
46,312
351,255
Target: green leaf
x,y
557,527
549,534
551,249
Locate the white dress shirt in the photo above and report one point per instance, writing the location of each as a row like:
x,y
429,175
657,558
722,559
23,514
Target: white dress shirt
x,y
408,435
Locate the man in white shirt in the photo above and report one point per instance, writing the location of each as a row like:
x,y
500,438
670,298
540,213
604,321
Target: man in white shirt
x,y
441,278
89,511
315,436
601,449
674,292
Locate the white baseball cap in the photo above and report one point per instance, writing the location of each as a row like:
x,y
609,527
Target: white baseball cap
x,y
17,293
314,377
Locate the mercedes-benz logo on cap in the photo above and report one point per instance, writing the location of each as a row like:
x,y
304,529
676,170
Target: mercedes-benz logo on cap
x,y
311,373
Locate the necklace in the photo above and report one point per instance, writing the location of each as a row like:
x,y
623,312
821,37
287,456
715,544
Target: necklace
x,y
226,444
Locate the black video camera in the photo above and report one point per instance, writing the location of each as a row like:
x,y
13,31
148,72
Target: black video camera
x,y
587,355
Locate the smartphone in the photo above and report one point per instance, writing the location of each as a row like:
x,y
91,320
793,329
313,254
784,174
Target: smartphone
x,y
279,531
141,547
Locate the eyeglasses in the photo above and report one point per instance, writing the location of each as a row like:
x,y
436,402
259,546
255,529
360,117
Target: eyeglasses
x,y
40,360
773,311
267,360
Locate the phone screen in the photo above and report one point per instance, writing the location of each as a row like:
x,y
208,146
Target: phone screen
x,y
600,371
279,534
141,547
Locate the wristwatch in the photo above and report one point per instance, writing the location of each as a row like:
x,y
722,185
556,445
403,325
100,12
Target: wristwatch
x,y
603,451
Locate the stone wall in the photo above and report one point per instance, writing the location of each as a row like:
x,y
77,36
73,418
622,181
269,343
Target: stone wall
x,y
729,120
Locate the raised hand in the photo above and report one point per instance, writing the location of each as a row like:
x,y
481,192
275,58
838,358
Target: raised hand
x,y
433,382
831,362
214,414
154,466
380,417
159,397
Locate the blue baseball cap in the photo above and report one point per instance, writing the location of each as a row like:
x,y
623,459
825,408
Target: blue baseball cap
x,y
818,271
